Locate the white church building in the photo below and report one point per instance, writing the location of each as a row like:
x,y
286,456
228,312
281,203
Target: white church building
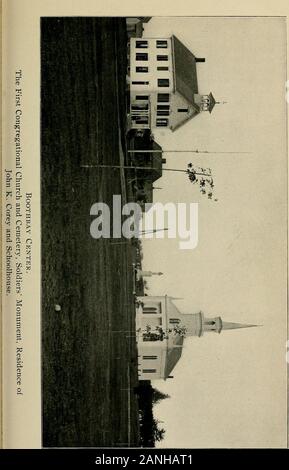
x,y
163,82
161,332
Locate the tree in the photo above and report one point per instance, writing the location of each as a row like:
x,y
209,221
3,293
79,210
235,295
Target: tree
x,y
157,396
203,178
158,433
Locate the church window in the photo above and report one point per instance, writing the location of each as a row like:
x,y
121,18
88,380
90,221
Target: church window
x,y
152,308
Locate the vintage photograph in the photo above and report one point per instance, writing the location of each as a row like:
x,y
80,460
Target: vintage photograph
x,y
163,231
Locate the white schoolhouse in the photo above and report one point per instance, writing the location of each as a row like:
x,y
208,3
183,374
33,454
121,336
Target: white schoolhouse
x,y
163,84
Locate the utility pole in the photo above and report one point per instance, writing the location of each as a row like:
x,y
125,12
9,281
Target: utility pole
x,y
183,151
128,167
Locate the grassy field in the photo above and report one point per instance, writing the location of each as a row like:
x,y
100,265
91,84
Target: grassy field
x,y
88,358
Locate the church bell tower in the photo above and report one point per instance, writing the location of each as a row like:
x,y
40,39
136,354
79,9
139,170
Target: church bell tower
x,y
197,324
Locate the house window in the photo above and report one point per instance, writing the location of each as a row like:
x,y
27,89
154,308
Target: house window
x,y
142,97
139,83
163,107
150,357
183,110
143,120
174,321
162,68
141,56
162,122
163,97
163,112
142,69
161,44
140,119
141,44
140,107
149,371
163,82
162,58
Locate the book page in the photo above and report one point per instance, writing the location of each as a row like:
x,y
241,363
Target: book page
x,y
144,228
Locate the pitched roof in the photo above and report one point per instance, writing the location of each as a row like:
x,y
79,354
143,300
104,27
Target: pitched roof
x,y
186,82
212,102
173,354
157,161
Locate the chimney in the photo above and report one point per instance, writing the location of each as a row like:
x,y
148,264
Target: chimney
x,y
200,59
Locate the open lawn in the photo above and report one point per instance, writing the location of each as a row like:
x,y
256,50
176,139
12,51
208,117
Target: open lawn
x,y
88,355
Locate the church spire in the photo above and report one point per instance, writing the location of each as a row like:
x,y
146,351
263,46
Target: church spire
x,y
233,326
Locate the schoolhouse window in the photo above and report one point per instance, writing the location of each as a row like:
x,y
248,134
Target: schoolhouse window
x,y
162,68
161,44
149,371
163,82
141,56
142,69
174,321
183,110
162,122
163,97
162,57
142,97
150,357
141,44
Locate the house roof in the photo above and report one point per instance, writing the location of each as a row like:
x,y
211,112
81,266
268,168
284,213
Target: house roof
x,y
186,82
212,102
174,353
157,162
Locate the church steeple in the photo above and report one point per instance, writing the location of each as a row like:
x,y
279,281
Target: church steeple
x,y
217,324
196,324
233,326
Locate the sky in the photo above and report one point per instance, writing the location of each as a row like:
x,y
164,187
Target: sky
x,y
229,390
